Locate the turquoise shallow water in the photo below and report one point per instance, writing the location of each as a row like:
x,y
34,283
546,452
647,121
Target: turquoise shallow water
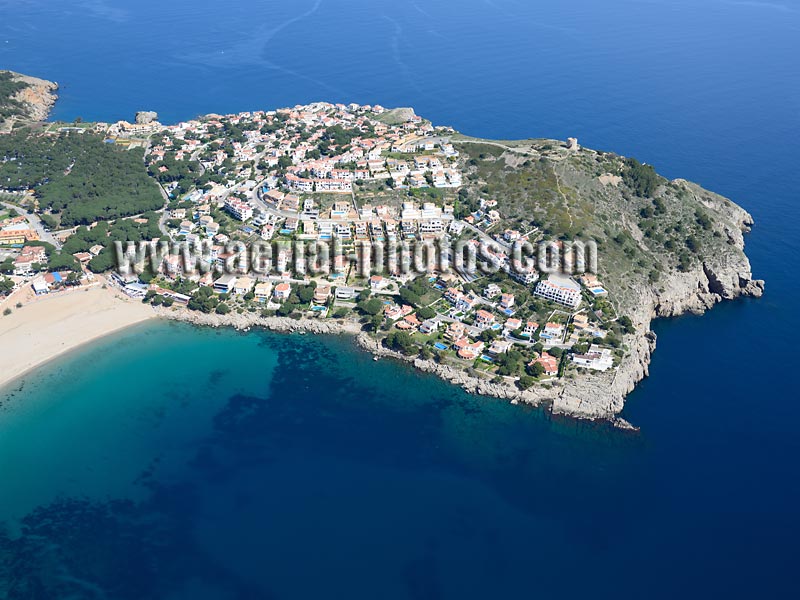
x,y
171,462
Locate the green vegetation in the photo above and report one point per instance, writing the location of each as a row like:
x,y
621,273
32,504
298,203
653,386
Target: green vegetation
x,y
185,173
204,300
10,107
6,285
402,341
78,176
105,234
642,179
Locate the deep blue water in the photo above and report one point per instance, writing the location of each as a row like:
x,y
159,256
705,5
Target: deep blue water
x,y
170,462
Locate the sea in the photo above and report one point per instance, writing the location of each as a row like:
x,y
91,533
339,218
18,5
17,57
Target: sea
x,y
175,462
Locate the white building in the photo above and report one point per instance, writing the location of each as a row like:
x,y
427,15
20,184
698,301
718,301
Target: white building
x,y
562,290
597,358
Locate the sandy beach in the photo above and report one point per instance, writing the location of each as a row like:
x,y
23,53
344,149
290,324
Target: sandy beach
x,y
48,326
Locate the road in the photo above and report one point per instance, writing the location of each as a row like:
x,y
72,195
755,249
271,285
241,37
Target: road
x,y
487,238
271,210
36,222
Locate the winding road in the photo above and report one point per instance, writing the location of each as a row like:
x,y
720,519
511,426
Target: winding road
x,y
36,223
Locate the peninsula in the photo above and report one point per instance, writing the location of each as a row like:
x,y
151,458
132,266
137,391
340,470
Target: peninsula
x,y
576,341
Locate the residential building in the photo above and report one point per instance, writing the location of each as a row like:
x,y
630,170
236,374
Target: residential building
x,y
262,291
484,319
492,291
282,291
225,284
561,290
506,301
597,358
549,362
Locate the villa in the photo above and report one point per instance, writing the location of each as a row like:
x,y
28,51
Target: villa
x,y
282,291
484,319
242,286
549,362
263,291
225,284
597,359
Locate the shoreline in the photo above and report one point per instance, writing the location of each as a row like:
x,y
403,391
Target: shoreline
x,y
52,326
599,397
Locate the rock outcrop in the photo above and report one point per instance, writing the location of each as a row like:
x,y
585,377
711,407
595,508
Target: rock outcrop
x,y
143,117
37,97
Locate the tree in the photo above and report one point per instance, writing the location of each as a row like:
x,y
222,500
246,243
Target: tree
x,y
286,309
535,370
556,352
410,297
400,341
376,321
305,293
488,335
371,307
580,348
6,285
627,325
222,309
526,381
642,179
426,312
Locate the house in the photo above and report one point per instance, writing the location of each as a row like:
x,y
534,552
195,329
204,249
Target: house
x,y
282,291
452,295
484,319
225,284
580,321
550,363
467,350
597,358
345,293
262,291
553,334
499,347
376,282
524,275
322,293
242,286
455,331
506,301
512,325
429,326
238,209
393,312
492,291
40,286
409,322
530,328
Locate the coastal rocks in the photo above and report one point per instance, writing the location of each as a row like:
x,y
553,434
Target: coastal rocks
x,y
37,98
143,117
243,321
397,116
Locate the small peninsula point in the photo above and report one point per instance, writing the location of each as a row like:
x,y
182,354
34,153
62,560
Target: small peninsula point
x,y
576,340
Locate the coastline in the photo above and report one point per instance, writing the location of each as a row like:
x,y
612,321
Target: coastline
x,y
52,326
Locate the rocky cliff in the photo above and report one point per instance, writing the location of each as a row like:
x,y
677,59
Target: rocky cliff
x,y
36,98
